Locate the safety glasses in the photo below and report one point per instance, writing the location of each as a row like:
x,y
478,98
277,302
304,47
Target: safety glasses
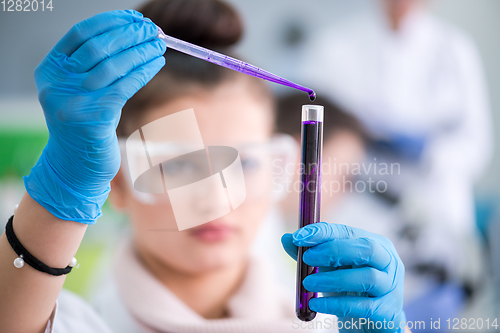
x,y
253,171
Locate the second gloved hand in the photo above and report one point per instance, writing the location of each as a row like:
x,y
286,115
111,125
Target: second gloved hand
x,y
360,275
82,84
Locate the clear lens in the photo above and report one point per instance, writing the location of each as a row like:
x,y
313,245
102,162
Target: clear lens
x,y
263,166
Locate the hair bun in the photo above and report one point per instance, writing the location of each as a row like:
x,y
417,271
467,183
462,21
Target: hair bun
x,y
208,23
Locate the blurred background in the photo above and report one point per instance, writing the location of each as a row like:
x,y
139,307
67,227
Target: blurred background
x,y
420,77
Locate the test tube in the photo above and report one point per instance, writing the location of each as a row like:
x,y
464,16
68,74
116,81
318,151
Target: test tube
x,y
310,197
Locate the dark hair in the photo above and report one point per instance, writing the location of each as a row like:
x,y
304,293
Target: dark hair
x,y
213,24
336,119
207,23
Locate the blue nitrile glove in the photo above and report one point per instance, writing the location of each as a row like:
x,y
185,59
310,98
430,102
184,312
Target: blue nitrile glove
x,y
407,146
371,273
82,86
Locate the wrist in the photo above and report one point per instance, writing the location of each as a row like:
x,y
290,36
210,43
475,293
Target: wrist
x,y
45,236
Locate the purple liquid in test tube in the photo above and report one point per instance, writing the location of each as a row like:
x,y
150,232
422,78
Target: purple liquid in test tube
x,y
310,197
228,62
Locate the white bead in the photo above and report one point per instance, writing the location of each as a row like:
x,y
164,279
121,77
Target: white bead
x,y
73,262
15,208
18,262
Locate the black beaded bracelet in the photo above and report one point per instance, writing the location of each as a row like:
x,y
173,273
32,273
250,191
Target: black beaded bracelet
x,y
26,257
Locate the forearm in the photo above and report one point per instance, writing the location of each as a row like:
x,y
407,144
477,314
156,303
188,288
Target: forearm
x,y
27,296
83,84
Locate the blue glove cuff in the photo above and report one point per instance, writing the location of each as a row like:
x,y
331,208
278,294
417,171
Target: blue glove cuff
x,y
401,318
46,188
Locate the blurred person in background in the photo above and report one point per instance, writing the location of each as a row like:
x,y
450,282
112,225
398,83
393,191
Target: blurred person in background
x,y
416,84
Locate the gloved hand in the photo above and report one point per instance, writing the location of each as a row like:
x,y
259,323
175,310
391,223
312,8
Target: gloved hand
x,y
82,86
406,146
370,272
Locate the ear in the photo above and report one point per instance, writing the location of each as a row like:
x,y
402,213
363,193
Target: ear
x,y
119,191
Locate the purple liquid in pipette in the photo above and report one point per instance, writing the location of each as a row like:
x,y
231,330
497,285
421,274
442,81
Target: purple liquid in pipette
x,y
310,199
228,62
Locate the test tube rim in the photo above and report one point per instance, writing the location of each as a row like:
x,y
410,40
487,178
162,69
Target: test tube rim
x,y
311,112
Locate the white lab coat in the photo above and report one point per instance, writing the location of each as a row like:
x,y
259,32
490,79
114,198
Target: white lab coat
x,y
424,81
133,301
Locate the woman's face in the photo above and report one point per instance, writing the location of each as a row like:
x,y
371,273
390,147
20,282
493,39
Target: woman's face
x,y
232,115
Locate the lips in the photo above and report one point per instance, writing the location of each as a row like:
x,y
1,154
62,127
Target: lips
x,y
213,232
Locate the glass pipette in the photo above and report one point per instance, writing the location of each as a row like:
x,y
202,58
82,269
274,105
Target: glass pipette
x,y
228,62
